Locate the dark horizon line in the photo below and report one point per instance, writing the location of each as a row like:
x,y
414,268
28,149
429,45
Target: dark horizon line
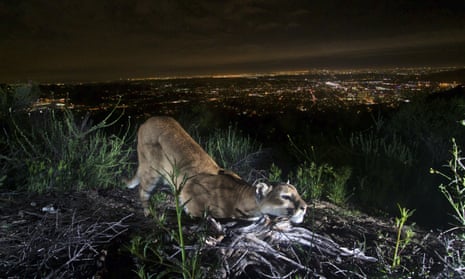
x,y
226,74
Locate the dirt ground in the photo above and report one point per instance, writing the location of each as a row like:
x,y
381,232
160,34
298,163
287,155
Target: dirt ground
x,y
84,235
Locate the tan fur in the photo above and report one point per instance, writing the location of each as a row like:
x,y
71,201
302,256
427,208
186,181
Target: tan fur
x,y
164,147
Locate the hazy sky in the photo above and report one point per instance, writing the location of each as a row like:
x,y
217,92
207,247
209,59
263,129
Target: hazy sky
x,y
65,40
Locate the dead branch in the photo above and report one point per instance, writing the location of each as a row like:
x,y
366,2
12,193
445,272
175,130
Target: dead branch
x,y
57,245
277,249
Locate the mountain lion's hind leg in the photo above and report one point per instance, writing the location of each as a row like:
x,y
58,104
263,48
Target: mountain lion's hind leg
x,y
147,187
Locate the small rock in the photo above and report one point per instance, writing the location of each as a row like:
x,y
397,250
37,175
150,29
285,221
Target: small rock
x,y
49,209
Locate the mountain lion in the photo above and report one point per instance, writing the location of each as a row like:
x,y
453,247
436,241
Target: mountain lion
x,y
164,148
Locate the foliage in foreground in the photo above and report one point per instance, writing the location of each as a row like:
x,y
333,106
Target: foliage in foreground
x,y
454,192
402,242
168,251
51,150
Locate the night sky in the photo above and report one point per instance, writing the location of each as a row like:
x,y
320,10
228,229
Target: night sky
x,y
89,40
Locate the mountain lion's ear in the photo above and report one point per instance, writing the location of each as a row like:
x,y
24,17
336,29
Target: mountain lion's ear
x,y
262,190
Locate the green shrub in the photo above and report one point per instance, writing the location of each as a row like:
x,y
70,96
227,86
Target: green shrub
x,y
454,191
317,181
312,180
337,192
56,152
372,144
233,151
274,174
402,242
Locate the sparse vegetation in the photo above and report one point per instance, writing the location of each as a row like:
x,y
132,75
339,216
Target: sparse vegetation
x,y
56,152
402,242
233,151
153,251
454,192
373,145
337,192
274,175
313,180
317,181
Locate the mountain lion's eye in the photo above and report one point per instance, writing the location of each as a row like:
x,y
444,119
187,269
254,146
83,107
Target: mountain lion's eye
x,y
286,197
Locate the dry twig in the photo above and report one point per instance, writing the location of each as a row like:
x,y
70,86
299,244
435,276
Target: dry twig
x,y
57,246
277,249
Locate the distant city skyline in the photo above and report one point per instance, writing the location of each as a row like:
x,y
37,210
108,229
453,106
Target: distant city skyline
x,y
109,40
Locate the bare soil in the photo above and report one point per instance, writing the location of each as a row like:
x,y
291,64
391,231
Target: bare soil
x,y
85,235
